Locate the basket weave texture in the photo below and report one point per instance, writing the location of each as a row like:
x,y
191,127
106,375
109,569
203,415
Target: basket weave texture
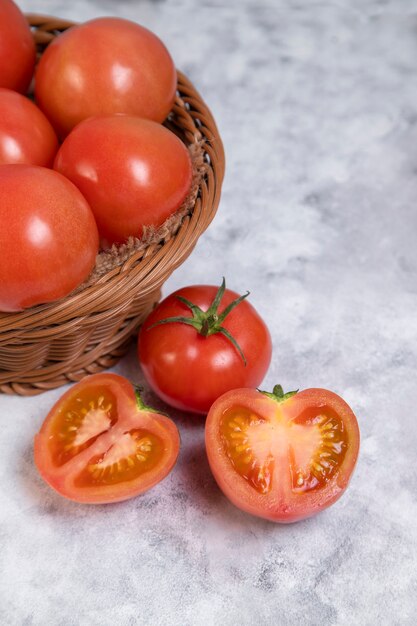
x,y
50,345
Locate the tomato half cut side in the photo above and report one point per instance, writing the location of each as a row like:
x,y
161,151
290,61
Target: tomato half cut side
x,y
101,444
283,457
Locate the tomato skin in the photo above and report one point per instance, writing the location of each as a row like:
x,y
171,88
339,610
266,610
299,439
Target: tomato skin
x,y
62,478
17,46
189,371
26,136
282,504
105,66
48,236
133,173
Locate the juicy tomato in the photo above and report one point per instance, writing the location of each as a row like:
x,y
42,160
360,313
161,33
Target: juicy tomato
x,y
100,443
48,236
133,173
191,360
105,66
17,48
280,456
26,136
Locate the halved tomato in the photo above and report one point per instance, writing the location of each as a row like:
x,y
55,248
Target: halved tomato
x,y
281,456
100,443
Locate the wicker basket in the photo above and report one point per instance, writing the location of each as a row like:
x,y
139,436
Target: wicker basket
x,y
50,345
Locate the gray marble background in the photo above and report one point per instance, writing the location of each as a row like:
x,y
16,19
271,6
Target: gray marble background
x,y
317,105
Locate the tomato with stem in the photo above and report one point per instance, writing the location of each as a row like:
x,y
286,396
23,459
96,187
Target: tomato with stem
x,y
200,342
100,443
283,457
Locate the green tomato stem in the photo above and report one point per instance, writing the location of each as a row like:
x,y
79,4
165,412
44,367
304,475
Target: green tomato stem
x,y
209,322
278,394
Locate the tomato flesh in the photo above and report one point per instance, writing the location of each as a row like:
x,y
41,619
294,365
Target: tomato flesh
x,y
96,445
282,460
89,414
313,446
133,454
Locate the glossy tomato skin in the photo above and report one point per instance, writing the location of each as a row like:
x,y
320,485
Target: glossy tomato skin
x,y
26,136
284,502
189,371
133,172
105,66
107,401
48,236
17,48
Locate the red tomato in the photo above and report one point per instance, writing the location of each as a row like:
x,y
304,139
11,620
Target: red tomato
x,y
100,443
17,48
105,66
133,173
282,457
193,359
26,136
48,236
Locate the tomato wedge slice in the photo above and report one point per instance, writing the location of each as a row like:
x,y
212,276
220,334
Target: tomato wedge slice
x,y
100,443
281,456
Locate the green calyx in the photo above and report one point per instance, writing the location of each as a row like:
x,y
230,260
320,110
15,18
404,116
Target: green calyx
x,y
140,403
278,394
209,322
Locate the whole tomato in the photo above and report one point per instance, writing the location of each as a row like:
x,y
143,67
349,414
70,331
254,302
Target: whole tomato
x,y
282,456
26,136
200,342
17,48
133,173
105,66
48,236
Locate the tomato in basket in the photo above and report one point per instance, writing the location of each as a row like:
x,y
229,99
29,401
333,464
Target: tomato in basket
x,y
104,66
101,444
281,456
17,48
48,236
133,172
26,136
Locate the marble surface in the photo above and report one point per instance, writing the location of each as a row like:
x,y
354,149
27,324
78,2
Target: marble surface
x,y
317,105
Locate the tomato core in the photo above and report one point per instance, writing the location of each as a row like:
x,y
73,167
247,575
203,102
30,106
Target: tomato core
x,y
78,424
133,453
312,445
